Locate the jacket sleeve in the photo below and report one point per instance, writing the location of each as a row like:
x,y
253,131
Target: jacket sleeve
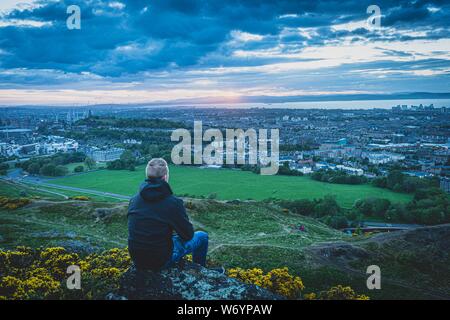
x,y
181,224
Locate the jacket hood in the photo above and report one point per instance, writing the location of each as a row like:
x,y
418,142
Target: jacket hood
x,y
153,190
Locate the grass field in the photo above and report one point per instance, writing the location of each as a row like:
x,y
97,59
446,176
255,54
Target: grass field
x,y
72,166
229,184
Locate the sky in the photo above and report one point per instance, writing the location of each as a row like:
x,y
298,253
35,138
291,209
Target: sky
x,y
144,51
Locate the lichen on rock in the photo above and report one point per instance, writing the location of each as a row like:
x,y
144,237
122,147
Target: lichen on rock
x,y
186,282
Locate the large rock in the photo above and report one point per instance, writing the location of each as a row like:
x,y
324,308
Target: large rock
x,y
187,282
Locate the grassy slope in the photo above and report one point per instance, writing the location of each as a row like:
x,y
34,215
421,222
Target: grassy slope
x,y
230,184
14,190
91,196
245,234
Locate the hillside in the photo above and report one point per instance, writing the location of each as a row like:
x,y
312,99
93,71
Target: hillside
x,y
415,264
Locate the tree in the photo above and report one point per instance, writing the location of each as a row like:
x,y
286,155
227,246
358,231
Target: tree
x,y
287,171
61,171
89,162
338,176
425,193
380,182
395,180
372,207
127,156
327,206
4,169
396,212
337,221
128,160
354,216
48,170
303,206
380,207
34,168
78,169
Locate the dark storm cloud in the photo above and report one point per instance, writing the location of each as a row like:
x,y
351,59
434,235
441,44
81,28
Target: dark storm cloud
x,y
140,35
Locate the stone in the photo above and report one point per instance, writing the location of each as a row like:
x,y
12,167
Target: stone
x,y
187,282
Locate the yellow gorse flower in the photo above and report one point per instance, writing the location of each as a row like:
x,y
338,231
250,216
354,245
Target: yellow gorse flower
x,y
276,280
340,292
13,203
40,274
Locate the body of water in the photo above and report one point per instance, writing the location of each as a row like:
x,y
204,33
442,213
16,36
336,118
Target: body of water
x,y
354,104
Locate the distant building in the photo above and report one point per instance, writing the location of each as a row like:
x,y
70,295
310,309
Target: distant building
x,y
14,133
382,158
418,174
438,170
324,165
55,144
106,155
6,149
350,170
304,170
28,150
132,141
445,184
337,150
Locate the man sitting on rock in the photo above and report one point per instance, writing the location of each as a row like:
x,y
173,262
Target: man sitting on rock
x,y
153,216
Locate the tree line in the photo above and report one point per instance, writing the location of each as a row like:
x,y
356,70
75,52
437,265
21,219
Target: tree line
x,y
52,166
429,206
96,121
397,181
337,176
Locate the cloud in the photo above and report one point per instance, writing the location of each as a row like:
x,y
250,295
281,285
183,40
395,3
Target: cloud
x,y
265,43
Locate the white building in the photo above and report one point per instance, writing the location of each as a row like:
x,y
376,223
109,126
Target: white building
x,y
382,158
304,170
350,170
106,155
132,141
54,147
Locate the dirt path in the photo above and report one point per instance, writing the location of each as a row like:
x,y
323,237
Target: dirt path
x,y
81,190
51,192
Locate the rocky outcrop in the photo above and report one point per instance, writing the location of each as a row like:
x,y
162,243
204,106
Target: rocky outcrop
x,y
187,282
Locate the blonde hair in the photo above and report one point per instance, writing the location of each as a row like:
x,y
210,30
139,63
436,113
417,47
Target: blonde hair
x,y
156,168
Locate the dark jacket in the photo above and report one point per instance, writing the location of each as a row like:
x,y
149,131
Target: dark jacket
x,y
153,214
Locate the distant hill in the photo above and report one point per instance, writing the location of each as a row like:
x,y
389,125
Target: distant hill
x,y
274,99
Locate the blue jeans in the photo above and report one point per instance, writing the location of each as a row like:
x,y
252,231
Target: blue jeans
x,y
198,246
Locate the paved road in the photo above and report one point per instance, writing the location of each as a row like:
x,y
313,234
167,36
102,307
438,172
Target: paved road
x,y
87,191
16,175
383,226
370,224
